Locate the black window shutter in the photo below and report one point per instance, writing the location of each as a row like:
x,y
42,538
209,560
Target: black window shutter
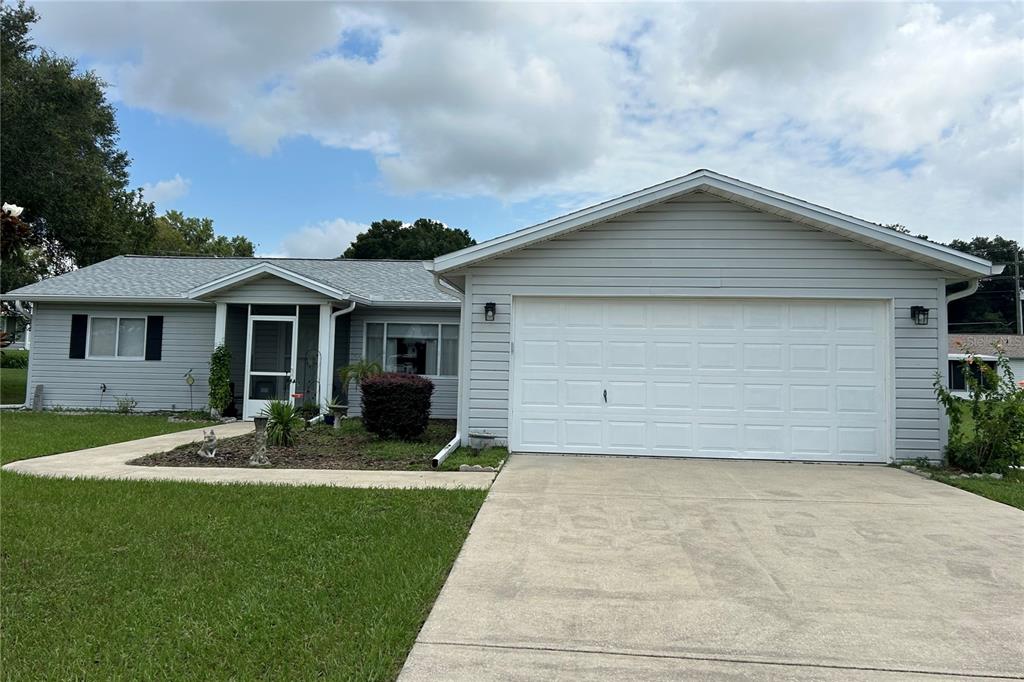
x,y
154,337
79,332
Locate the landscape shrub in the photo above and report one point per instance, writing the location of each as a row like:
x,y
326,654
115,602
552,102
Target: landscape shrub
x,y
396,405
993,440
13,359
283,422
126,404
220,378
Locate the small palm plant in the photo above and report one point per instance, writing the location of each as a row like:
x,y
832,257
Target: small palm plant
x,y
283,421
357,371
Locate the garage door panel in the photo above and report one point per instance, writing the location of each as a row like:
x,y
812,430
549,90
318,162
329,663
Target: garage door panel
x,y
758,379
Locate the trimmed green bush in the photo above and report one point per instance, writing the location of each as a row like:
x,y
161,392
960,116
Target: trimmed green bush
x,y
396,405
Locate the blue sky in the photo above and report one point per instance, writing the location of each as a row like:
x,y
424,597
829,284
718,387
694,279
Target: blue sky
x,y
302,183
299,123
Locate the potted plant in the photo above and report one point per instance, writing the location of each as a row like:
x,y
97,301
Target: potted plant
x,y
357,371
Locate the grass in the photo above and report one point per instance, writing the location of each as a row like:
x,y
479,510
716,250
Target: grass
x,y
12,385
489,457
34,434
1008,490
172,580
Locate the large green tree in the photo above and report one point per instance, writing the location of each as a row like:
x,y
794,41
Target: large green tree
x,y
991,309
423,240
177,234
60,158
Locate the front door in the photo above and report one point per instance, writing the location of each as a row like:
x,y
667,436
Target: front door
x,y
270,362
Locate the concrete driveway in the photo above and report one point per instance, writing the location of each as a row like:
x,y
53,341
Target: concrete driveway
x,y
612,568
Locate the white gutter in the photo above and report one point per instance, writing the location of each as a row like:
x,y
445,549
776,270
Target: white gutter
x,y
452,446
972,287
446,289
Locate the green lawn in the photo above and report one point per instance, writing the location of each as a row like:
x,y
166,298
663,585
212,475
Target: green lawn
x,y
34,434
171,580
12,385
490,457
1009,490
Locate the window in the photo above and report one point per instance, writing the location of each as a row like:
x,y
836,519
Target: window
x,y
120,337
957,381
414,348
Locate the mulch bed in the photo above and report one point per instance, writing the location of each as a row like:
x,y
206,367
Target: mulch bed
x,y
318,447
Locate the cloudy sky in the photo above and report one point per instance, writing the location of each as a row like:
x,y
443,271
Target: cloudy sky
x,y
298,124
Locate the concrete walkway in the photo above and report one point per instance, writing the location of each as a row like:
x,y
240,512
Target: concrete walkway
x,y
109,461
594,568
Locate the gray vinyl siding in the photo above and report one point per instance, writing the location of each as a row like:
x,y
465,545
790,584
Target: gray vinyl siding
x,y
445,399
156,385
270,289
704,246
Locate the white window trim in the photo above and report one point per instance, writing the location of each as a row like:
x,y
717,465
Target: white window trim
x,y
117,337
367,323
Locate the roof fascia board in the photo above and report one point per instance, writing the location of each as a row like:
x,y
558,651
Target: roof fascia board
x,y
66,298
878,236
265,268
416,304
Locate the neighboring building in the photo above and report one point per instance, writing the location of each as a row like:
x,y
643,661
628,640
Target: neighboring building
x,y
984,347
136,325
16,331
702,317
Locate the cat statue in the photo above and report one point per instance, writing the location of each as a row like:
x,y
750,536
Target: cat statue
x,y
208,450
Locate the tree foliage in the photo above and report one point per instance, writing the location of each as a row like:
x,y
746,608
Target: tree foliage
x,y
991,309
60,158
177,235
61,162
423,240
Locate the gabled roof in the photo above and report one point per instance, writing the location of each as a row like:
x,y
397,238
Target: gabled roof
x,y
183,279
797,210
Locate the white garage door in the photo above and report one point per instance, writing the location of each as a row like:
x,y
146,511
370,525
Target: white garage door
x,y
765,379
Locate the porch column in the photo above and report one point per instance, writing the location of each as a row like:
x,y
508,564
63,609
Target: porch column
x,y
220,324
325,341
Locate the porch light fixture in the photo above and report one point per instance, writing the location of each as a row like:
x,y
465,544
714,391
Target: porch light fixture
x,y
919,314
489,310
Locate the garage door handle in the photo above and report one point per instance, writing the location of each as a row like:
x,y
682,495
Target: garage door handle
x,y
605,395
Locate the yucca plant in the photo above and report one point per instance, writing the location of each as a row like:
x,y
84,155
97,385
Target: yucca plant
x,y
283,421
356,372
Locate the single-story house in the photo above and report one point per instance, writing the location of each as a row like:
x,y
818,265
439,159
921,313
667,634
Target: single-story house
x,y
983,348
140,326
701,317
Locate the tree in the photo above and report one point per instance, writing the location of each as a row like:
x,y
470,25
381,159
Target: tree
x,y
60,159
991,309
423,240
178,235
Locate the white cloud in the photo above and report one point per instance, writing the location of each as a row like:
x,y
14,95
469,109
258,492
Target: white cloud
x,y
327,239
894,112
165,192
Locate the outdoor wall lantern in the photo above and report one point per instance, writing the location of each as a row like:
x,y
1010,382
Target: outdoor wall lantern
x,y
490,307
920,314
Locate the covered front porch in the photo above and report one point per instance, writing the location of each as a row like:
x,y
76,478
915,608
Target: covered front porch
x,y
288,336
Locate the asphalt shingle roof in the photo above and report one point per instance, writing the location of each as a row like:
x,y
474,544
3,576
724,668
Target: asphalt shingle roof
x,y
1013,345
164,277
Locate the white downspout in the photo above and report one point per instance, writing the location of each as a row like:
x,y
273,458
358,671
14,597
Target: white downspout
x,y
334,321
